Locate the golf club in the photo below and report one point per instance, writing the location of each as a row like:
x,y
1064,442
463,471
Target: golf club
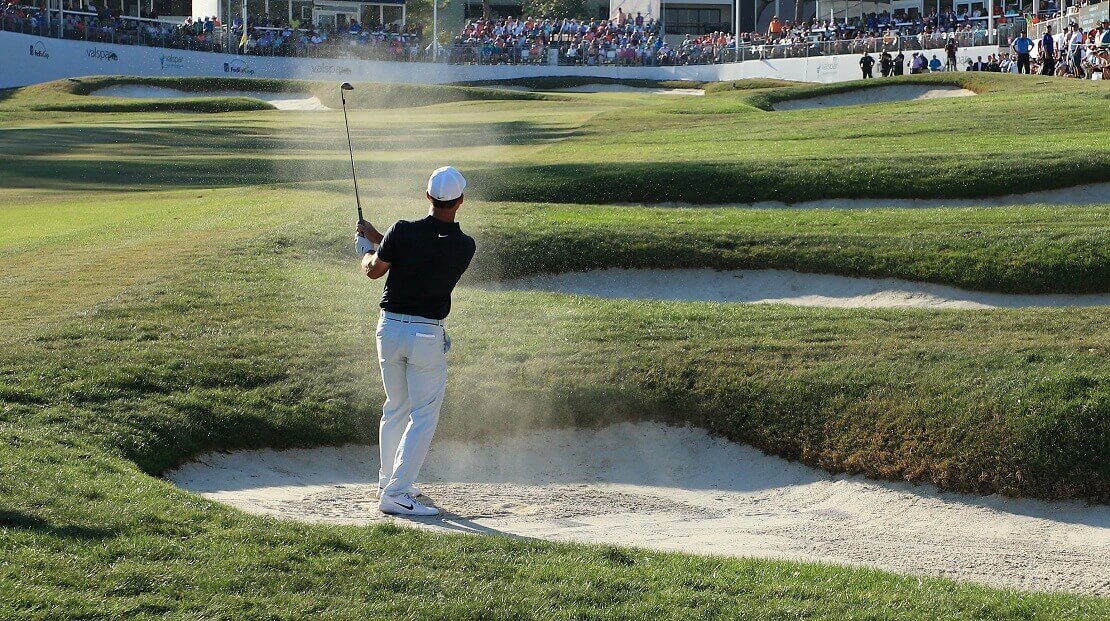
x,y
346,86
362,245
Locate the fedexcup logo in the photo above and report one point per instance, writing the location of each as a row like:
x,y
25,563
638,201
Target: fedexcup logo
x,y
101,54
330,69
169,61
38,50
238,66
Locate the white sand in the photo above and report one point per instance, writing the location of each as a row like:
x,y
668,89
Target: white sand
x,y
282,101
875,95
783,287
677,489
620,88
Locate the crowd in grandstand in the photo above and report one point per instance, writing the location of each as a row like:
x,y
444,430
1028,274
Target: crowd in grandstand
x,y
624,40
92,22
279,37
629,40
1072,53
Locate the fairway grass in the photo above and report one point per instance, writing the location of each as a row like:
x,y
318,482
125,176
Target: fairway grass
x,y
150,314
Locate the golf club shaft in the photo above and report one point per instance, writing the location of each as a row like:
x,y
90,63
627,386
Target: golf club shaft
x,y
351,149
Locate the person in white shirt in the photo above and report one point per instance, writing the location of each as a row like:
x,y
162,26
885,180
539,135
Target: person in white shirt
x,y
1075,50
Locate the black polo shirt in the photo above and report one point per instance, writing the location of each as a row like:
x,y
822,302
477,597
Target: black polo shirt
x,y
426,259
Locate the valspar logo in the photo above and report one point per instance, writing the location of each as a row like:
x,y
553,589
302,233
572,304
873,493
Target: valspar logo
x,y
331,69
169,61
38,50
100,54
239,67
828,67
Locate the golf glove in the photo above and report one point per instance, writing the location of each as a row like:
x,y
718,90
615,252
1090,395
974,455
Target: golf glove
x,y
363,246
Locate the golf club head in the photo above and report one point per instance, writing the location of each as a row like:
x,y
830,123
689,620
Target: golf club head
x,y
346,86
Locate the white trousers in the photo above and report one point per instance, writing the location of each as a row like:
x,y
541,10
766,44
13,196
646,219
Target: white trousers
x,y
412,353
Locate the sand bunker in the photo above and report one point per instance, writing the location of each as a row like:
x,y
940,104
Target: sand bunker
x,y
676,489
875,95
620,88
1090,194
783,287
281,101
607,88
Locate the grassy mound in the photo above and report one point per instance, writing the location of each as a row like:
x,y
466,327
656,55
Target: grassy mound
x,y
1034,249
728,148
382,95
766,179
749,84
149,317
71,95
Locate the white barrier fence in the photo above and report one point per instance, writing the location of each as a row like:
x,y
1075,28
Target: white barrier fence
x,y
31,60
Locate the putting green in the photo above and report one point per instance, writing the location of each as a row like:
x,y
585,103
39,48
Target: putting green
x,y
175,283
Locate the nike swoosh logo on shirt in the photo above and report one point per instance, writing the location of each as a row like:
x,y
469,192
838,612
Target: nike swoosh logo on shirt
x,y
443,236
409,507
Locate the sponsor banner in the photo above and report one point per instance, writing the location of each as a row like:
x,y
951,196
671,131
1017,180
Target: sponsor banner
x,y
828,67
101,54
171,62
1092,15
53,59
327,68
38,50
238,67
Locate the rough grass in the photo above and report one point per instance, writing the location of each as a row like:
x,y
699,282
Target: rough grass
x,y
144,326
237,320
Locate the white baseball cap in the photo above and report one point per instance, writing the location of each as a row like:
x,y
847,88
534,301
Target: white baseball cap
x,y
446,184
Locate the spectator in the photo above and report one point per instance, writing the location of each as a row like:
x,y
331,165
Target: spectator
x,y
917,63
866,63
1048,53
775,27
935,65
1022,48
950,50
1075,50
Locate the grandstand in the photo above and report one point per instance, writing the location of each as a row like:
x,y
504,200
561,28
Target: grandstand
x,y
678,17
277,35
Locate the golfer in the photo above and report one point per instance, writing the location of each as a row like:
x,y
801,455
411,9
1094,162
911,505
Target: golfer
x,y
424,260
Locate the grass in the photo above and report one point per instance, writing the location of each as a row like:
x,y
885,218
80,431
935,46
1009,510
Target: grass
x,y
152,319
1034,249
71,95
727,148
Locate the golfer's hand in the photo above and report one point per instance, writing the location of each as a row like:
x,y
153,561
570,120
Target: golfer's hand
x,y
367,260
367,230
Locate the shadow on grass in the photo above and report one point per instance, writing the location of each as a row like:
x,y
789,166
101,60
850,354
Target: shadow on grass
x,y
185,173
208,137
25,521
